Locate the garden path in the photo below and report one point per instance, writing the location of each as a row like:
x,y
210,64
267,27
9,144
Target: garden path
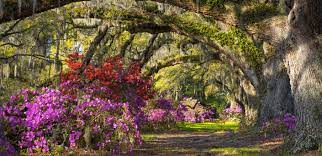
x,y
201,142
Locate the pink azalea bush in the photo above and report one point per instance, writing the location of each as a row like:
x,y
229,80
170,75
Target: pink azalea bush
x,y
232,113
34,120
100,110
280,125
164,113
5,146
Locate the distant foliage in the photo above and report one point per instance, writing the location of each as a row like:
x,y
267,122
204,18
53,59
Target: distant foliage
x,y
214,3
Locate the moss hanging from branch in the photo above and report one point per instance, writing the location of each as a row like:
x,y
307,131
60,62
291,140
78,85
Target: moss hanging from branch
x,y
234,38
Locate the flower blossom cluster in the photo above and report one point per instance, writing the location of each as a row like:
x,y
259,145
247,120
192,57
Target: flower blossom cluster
x,y
165,111
289,121
100,110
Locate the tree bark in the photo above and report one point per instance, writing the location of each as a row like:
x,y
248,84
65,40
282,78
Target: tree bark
x,y
126,45
304,64
277,99
147,52
10,8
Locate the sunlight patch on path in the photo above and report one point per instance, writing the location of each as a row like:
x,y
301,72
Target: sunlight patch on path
x,y
209,126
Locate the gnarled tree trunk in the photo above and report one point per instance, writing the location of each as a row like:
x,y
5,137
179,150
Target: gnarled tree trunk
x,y
304,64
278,99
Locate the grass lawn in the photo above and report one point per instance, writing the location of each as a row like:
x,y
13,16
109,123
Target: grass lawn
x,y
148,137
249,151
214,126
209,126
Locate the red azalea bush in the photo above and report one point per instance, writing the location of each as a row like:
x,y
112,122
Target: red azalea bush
x,y
125,84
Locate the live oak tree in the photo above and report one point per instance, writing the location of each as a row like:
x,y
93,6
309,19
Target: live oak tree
x,y
275,59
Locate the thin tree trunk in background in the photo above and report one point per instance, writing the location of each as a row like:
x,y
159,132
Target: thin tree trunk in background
x,y
1,76
126,45
15,68
49,71
147,53
57,68
91,50
251,104
6,68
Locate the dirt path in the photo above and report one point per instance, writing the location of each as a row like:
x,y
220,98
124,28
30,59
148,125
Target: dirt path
x,y
208,143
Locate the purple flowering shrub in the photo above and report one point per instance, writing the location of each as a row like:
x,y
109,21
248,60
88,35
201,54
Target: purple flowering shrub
x,y
159,114
113,126
164,113
284,124
27,119
5,147
101,109
232,113
289,121
195,112
35,121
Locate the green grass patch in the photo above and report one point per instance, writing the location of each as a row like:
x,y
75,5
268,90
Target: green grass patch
x,y
249,151
148,137
209,126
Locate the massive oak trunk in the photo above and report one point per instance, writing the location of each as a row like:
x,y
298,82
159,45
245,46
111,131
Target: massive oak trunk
x,y
304,64
277,100
276,97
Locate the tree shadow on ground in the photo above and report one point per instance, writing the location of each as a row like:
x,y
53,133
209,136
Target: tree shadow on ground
x,y
210,143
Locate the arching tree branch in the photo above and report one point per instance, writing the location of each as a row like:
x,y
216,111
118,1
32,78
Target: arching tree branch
x,y
202,9
149,27
11,10
180,60
9,59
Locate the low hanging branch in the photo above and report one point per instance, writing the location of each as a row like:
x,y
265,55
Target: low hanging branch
x,y
11,8
248,71
132,27
93,47
204,10
143,27
180,60
11,44
10,59
7,32
151,28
